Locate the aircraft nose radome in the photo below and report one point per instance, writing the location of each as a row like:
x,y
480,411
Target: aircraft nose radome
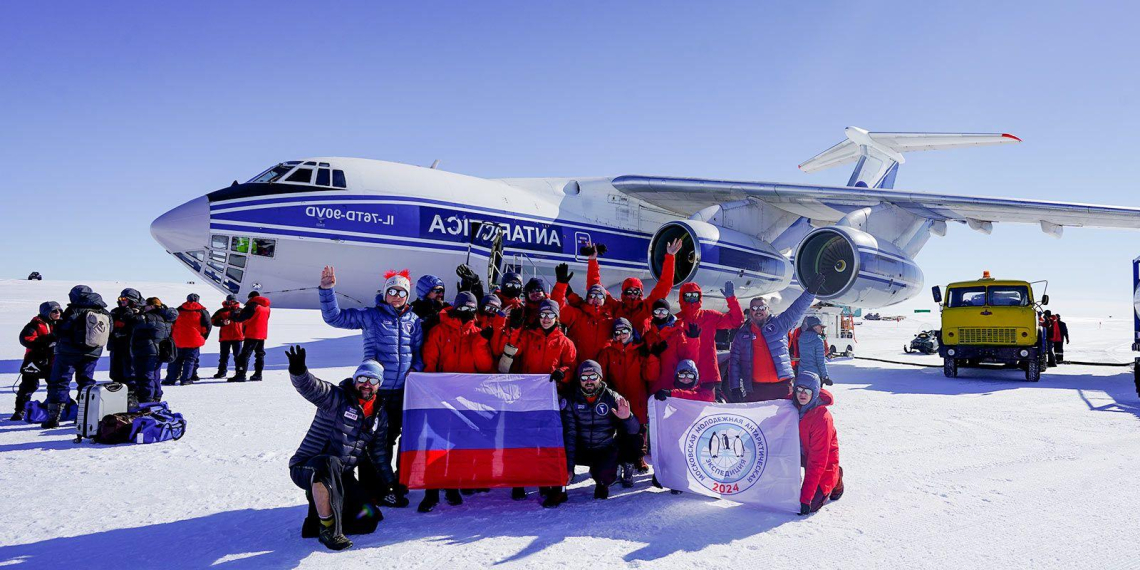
x,y
185,228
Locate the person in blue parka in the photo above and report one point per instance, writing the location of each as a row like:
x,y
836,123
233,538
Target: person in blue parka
x,y
759,367
813,350
393,336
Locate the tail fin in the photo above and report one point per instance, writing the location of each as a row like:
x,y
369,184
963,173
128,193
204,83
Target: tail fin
x,y
880,154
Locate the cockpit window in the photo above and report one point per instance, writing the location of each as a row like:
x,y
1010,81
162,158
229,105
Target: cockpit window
x,y
302,175
323,177
338,179
272,174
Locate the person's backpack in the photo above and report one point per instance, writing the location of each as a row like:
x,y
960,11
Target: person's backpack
x,y
166,350
95,330
160,424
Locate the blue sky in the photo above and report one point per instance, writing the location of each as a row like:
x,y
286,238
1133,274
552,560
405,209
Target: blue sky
x,y
113,113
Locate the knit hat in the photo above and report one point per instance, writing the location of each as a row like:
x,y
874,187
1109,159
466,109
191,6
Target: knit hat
x,y
253,294
465,297
47,307
231,299
192,298
369,369
662,304
399,279
596,288
132,294
589,366
549,305
426,284
492,301
536,284
810,381
811,321
622,323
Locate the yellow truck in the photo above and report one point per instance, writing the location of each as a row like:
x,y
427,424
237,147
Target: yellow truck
x,y
991,321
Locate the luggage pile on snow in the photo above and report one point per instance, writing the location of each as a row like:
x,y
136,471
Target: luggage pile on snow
x,y
104,417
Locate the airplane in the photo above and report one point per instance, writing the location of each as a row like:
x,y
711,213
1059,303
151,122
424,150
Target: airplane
x,y
275,232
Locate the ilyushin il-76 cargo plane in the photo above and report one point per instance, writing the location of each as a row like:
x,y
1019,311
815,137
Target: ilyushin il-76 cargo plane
x,y
275,232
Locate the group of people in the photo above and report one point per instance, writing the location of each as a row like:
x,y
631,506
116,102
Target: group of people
x,y
596,348
1056,337
141,335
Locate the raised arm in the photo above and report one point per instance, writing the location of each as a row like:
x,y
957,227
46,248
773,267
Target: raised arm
x,y
337,317
790,319
322,394
668,271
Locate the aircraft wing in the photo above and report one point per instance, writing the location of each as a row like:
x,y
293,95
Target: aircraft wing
x,y
685,196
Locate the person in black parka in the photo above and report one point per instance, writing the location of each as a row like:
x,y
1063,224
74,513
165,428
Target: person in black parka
x,y
123,318
150,347
72,355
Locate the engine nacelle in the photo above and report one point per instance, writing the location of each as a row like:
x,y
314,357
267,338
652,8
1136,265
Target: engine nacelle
x,y
858,269
711,255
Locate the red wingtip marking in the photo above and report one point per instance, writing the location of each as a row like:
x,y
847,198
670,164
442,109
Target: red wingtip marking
x,y
1009,136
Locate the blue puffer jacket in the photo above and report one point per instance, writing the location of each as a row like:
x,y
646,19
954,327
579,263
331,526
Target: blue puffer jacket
x,y
813,354
775,333
394,339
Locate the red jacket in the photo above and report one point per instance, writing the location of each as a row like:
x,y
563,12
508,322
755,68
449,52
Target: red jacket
x,y
698,395
225,320
635,311
255,318
680,347
192,326
630,373
37,337
710,322
590,327
819,447
543,352
456,346
498,324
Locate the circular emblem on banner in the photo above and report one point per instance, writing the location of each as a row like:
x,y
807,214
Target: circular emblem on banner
x,y
726,453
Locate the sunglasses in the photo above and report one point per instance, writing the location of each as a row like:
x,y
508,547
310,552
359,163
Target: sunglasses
x,y
688,375
597,295
438,290
53,311
546,315
538,292
367,379
490,309
512,286
660,312
124,298
394,292
632,292
802,390
622,331
465,309
692,296
590,377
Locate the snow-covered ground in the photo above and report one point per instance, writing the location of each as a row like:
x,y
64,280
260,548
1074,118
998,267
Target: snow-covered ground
x,y
985,470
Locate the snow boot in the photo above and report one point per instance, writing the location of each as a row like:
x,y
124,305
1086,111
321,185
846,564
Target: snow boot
x,y
468,492
601,491
332,540
221,373
132,400
656,483
391,498
53,413
518,493
239,377
188,381
626,475
554,498
170,382
17,416
431,499
255,378
453,497
642,466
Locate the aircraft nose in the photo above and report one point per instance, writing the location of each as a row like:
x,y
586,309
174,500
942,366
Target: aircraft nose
x,y
185,228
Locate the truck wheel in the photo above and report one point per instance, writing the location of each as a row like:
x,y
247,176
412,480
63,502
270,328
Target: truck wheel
x,y
1033,371
950,367
849,351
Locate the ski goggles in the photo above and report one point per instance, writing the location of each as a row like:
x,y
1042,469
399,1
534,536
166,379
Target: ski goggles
x,y
622,331
491,309
687,375
590,377
394,292
803,390
367,379
597,295
436,290
465,309
536,293
126,299
691,297
632,292
660,312
547,316
512,286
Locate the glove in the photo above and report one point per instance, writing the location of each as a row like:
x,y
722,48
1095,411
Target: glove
x,y
517,318
487,333
816,283
562,273
601,247
587,250
662,394
826,381
694,331
296,356
466,274
557,375
644,350
659,348
729,290
805,509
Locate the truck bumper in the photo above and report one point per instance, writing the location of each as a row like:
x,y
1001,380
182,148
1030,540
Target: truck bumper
x,y
989,353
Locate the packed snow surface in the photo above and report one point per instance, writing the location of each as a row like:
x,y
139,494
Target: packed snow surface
x,y
986,470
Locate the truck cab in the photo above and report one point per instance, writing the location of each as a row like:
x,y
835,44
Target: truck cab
x,y
991,321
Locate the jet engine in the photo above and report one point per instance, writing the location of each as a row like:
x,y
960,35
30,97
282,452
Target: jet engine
x,y
711,255
856,268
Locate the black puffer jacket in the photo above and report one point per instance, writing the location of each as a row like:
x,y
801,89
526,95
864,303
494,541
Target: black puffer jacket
x,y
73,323
153,327
340,429
592,425
123,319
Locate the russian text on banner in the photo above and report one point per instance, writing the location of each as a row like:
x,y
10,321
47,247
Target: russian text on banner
x,y
465,431
748,453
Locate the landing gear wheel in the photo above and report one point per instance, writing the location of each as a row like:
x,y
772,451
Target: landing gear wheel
x,y
950,367
1033,371
831,351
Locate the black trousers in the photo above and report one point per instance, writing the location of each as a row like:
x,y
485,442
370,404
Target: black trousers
x,y
352,512
632,447
30,382
224,358
122,366
1059,350
251,348
603,463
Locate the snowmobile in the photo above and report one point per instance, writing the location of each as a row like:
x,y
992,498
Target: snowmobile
x,y
925,342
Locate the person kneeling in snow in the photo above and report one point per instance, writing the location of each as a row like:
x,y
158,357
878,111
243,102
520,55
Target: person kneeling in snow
x,y
819,445
350,424
592,417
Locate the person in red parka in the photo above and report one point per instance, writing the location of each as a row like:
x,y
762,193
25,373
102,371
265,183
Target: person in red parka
x,y
255,323
230,333
630,367
38,340
191,330
492,323
455,344
589,324
819,444
633,306
710,321
681,343
539,349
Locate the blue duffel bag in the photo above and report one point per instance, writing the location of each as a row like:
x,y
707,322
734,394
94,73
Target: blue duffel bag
x,y
35,412
160,424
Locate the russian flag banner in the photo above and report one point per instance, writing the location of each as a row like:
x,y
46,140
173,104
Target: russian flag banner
x,y
464,431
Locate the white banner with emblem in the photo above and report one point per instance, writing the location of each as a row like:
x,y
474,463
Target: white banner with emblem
x,y
748,453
